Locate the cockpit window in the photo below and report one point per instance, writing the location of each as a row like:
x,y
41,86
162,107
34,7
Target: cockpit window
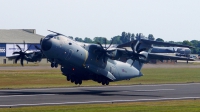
x,y
50,36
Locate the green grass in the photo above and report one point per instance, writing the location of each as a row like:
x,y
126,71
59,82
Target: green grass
x,y
54,78
157,106
16,65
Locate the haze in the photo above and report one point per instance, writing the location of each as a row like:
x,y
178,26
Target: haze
x,y
175,20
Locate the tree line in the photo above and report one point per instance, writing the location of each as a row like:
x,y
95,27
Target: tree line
x,y
127,37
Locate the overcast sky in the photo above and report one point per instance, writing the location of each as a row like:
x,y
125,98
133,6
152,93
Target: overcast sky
x,y
175,20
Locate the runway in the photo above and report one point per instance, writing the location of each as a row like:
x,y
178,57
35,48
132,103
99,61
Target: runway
x,y
102,94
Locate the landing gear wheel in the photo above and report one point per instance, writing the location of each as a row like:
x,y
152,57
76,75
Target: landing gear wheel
x,y
103,82
99,81
107,82
52,65
68,78
80,82
56,65
76,81
72,80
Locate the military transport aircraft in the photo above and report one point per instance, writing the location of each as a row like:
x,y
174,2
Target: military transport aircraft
x,y
82,61
179,51
171,49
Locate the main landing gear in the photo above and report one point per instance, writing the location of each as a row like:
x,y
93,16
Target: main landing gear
x,y
74,80
54,64
103,80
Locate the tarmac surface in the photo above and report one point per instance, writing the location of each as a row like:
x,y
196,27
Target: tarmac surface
x,y
103,94
177,65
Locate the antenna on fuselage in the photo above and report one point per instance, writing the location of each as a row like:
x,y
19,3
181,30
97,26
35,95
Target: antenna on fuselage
x,y
57,33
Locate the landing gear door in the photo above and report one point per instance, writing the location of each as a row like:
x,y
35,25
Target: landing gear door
x,y
114,72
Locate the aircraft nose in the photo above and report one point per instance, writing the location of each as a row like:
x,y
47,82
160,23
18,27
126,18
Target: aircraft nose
x,y
46,44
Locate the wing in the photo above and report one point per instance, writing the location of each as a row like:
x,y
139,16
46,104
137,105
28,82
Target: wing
x,y
31,53
167,56
150,43
12,57
122,55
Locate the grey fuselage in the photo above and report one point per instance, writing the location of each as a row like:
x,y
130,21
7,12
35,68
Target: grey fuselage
x,y
79,60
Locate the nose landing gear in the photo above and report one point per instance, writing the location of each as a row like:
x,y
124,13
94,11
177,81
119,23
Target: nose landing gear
x,y
54,64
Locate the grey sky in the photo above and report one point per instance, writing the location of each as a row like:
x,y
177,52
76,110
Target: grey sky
x,y
175,20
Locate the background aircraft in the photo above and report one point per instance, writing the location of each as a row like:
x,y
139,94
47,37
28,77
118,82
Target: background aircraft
x,y
179,50
30,56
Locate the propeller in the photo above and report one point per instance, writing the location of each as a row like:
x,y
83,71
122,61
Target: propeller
x,y
22,54
135,55
40,45
102,52
38,48
41,41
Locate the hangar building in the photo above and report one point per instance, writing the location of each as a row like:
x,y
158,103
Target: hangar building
x,y
10,37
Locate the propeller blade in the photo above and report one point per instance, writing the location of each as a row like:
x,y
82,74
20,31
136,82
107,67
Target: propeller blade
x,y
139,62
103,52
16,52
100,45
110,44
105,42
17,58
24,45
137,47
38,48
135,54
132,62
28,48
19,47
143,49
21,61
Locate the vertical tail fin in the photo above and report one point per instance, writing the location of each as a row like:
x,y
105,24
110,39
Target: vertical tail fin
x,y
136,64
